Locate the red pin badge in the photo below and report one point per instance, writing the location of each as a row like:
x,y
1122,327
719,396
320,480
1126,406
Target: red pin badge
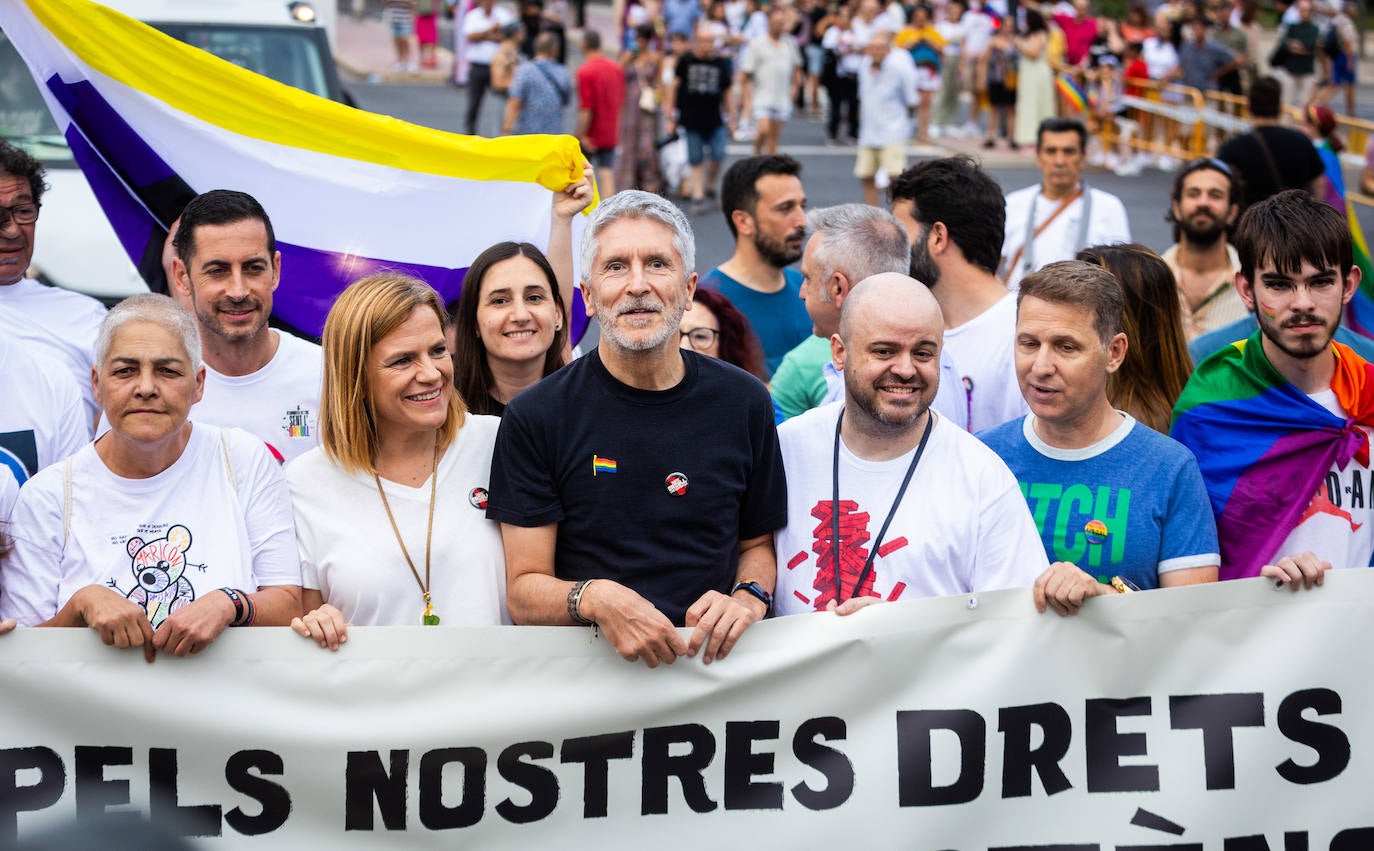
x,y
478,498
677,484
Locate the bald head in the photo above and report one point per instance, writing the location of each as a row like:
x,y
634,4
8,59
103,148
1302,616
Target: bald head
x,y
892,297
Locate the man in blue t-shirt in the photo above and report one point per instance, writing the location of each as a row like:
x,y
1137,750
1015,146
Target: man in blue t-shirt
x,y
1119,506
638,488
765,209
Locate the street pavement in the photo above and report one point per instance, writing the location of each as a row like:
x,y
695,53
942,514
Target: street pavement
x,y
365,59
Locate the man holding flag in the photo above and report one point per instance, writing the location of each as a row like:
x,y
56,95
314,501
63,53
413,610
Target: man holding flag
x,y
1280,422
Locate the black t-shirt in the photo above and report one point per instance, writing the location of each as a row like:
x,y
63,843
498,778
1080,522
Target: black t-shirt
x,y
652,489
1294,157
701,87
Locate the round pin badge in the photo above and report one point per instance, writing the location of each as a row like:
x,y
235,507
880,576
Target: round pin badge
x,y
478,498
676,484
1096,531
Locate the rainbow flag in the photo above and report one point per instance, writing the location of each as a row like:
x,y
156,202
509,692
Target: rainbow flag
x,y
602,465
153,122
1359,313
1264,446
1071,92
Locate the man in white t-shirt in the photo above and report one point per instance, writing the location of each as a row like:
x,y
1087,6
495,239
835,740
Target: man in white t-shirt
x,y
263,381
1060,216
955,215
482,32
42,419
910,505
61,323
772,65
1280,423
851,242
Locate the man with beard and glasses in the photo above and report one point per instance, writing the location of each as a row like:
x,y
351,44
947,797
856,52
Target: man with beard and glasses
x,y
1205,203
955,214
909,505
263,381
638,488
1280,422
765,209
1118,505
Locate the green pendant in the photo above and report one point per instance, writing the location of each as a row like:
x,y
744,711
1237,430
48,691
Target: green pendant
x,y
431,620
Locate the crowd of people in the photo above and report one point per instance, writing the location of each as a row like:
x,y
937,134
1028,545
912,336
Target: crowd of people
x,y
956,390
694,74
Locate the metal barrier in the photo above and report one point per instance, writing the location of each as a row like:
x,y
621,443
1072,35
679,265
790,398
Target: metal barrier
x,y
1156,118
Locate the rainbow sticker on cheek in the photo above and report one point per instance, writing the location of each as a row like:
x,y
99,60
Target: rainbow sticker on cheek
x,y
1096,531
1267,310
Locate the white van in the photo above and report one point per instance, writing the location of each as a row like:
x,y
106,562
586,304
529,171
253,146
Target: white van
x,y
75,247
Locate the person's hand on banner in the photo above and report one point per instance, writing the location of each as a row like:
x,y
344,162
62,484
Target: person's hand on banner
x,y
7,625
718,620
1303,570
852,605
119,621
324,625
1064,587
193,627
636,629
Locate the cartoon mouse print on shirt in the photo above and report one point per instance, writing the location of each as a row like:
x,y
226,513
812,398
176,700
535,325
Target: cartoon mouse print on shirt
x,y
159,568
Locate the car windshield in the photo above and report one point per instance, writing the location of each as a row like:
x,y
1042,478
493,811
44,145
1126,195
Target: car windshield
x,y
290,56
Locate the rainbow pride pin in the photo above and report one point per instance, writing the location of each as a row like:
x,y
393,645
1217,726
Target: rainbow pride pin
x,y
602,465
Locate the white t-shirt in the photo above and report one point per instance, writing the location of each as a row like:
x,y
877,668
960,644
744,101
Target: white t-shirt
x,y
9,493
350,555
42,419
63,323
1338,525
162,541
770,64
953,34
962,525
1108,224
978,29
984,352
476,21
885,99
279,403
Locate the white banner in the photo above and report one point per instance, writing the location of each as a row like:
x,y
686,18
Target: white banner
x,y
1224,718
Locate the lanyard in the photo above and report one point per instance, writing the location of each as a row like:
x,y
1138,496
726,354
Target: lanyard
x,y
835,508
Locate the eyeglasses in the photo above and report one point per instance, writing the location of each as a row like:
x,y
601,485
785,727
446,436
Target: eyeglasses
x,y
22,214
1208,162
700,338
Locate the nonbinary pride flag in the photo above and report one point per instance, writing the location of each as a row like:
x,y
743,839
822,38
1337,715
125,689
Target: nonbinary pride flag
x,y
153,122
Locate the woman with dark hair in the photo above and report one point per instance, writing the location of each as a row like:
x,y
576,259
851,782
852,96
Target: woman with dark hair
x,y
714,327
1157,365
1034,80
509,326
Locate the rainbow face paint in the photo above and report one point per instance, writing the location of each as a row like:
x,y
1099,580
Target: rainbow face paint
x,y
1267,310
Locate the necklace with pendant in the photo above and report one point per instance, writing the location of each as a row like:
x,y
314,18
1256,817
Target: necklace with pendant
x,y
428,618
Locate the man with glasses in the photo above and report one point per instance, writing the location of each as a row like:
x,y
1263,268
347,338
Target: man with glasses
x,y
1280,423
59,323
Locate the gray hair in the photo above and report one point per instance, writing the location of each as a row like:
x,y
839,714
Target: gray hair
x,y
860,241
155,309
634,204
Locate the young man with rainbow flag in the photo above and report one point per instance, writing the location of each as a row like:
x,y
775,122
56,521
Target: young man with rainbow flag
x,y
1280,422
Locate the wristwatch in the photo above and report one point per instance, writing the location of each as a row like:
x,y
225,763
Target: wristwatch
x,y
755,589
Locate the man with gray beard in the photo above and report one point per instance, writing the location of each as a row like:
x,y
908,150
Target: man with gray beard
x,y
639,487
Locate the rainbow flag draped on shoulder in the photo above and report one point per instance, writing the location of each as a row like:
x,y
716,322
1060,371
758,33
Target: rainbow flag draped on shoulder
x,y
1264,446
153,122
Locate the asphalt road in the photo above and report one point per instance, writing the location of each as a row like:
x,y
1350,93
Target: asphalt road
x,y
827,174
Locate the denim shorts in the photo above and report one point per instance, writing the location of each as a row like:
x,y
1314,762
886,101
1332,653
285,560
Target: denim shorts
x,y
697,142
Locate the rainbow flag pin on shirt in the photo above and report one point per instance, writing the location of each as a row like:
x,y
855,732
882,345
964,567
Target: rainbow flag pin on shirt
x,y
602,465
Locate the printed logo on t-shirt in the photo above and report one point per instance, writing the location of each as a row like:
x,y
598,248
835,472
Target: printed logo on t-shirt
x,y
478,498
1080,520
1323,502
159,567
852,553
19,452
297,422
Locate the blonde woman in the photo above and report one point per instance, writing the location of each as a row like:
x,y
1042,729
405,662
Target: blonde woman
x,y
398,450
